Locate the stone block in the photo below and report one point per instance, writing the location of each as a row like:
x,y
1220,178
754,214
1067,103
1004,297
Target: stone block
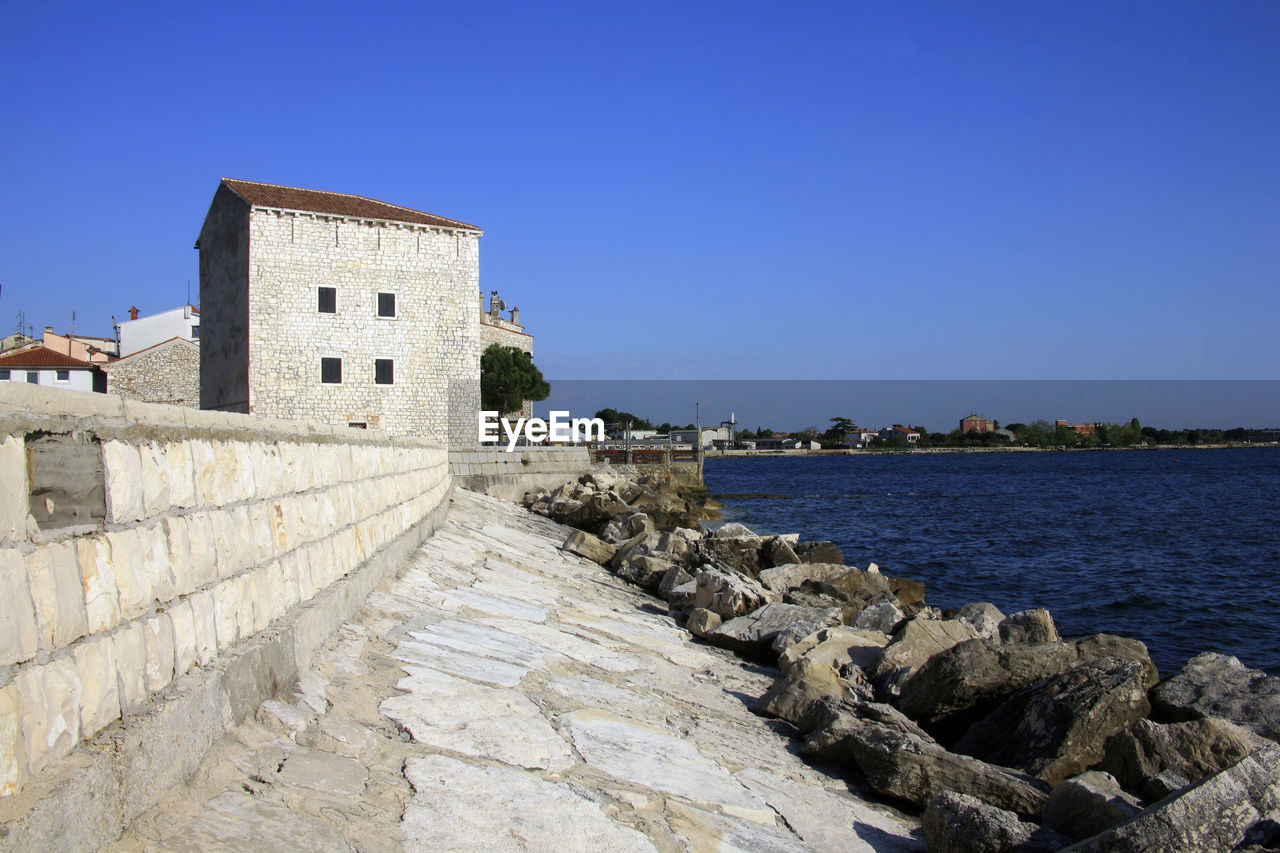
x,y
204,557
182,616
122,468
204,622
54,575
247,587
178,535
261,533
98,578
14,494
158,632
95,662
19,634
155,559
204,470
242,543
131,665
179,470
226,598
13,751
50,711
133,583
155,479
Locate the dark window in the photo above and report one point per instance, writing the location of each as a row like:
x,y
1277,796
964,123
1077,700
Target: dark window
x,y
4,374
386,305
358,424
195,332
331,371
384,371
328,303
64,375
33,377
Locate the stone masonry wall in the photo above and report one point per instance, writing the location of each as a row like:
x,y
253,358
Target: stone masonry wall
x,y
162,542
169,373
434,339
510,475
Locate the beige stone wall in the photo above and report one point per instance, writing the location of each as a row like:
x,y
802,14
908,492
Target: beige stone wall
x,y
216,527
434,339
510,475
170,374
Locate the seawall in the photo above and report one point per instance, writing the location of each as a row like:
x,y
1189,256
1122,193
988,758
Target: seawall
x,y
162,572
500,474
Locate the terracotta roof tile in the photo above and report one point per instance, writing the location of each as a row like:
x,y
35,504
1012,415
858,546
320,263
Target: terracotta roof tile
x,y
336,204
41,357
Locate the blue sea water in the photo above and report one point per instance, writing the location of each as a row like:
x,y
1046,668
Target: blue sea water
x,y
1178,548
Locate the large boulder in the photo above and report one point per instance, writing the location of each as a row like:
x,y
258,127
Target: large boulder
x,y
736,552
1087,804
826,670
1193,750
819,552
1058,727
752,635
585,545
646,571
1214,685
729,595
882,616
1029,626
913,644
839,717
958,823
904,765
776,551
967,681
593,510
1233,809
779,579
985,618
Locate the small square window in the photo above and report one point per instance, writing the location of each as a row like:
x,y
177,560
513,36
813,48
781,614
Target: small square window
x,y
4,374
327,300
195,333
384,371
33,377
64,375
386,305
331,371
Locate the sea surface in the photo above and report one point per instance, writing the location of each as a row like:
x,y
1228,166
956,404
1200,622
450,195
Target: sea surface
x,y
1178,548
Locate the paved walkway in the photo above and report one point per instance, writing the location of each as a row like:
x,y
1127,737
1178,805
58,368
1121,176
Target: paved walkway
x,y
504,695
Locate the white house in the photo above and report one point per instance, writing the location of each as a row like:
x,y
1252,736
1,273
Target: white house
x,y
40,365
139,333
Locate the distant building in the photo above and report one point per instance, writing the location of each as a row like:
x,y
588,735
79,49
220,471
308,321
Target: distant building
x,y
168,372
860,437
507,332
139,333
1081,430
40,365
898,434
976,423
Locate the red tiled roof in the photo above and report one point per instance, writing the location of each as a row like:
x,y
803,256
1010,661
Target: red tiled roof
x,y
41,357
337,204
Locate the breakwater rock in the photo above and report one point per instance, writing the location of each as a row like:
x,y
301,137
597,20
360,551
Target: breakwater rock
x,y
1003,734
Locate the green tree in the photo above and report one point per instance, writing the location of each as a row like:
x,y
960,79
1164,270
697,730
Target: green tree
x,y
508,377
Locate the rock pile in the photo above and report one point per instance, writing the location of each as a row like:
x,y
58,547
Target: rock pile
x,y
1005,735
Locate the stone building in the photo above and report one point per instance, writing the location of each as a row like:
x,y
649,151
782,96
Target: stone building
x,y
507,332
340,308
168,372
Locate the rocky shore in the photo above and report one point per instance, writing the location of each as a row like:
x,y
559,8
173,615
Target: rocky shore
x,y
1001,733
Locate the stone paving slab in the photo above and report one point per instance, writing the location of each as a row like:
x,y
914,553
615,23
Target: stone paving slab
x,y
501,694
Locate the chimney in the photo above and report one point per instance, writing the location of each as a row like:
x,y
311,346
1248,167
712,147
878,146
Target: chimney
x,y
48,330
133,313
515,315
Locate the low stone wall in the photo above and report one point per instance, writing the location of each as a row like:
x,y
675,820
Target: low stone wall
x,y
509,475
162,572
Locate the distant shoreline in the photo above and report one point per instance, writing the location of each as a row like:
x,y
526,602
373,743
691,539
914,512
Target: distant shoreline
x,y
751,454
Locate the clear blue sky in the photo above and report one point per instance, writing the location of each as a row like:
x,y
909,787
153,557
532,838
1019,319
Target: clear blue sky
x,y
696,190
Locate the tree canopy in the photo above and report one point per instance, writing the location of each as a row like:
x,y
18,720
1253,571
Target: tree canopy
x,y
508,377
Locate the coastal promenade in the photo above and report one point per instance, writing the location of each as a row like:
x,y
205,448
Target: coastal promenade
x,y
502,694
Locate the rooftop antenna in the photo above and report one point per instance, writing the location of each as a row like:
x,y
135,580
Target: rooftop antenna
x,y
188,291
73,322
